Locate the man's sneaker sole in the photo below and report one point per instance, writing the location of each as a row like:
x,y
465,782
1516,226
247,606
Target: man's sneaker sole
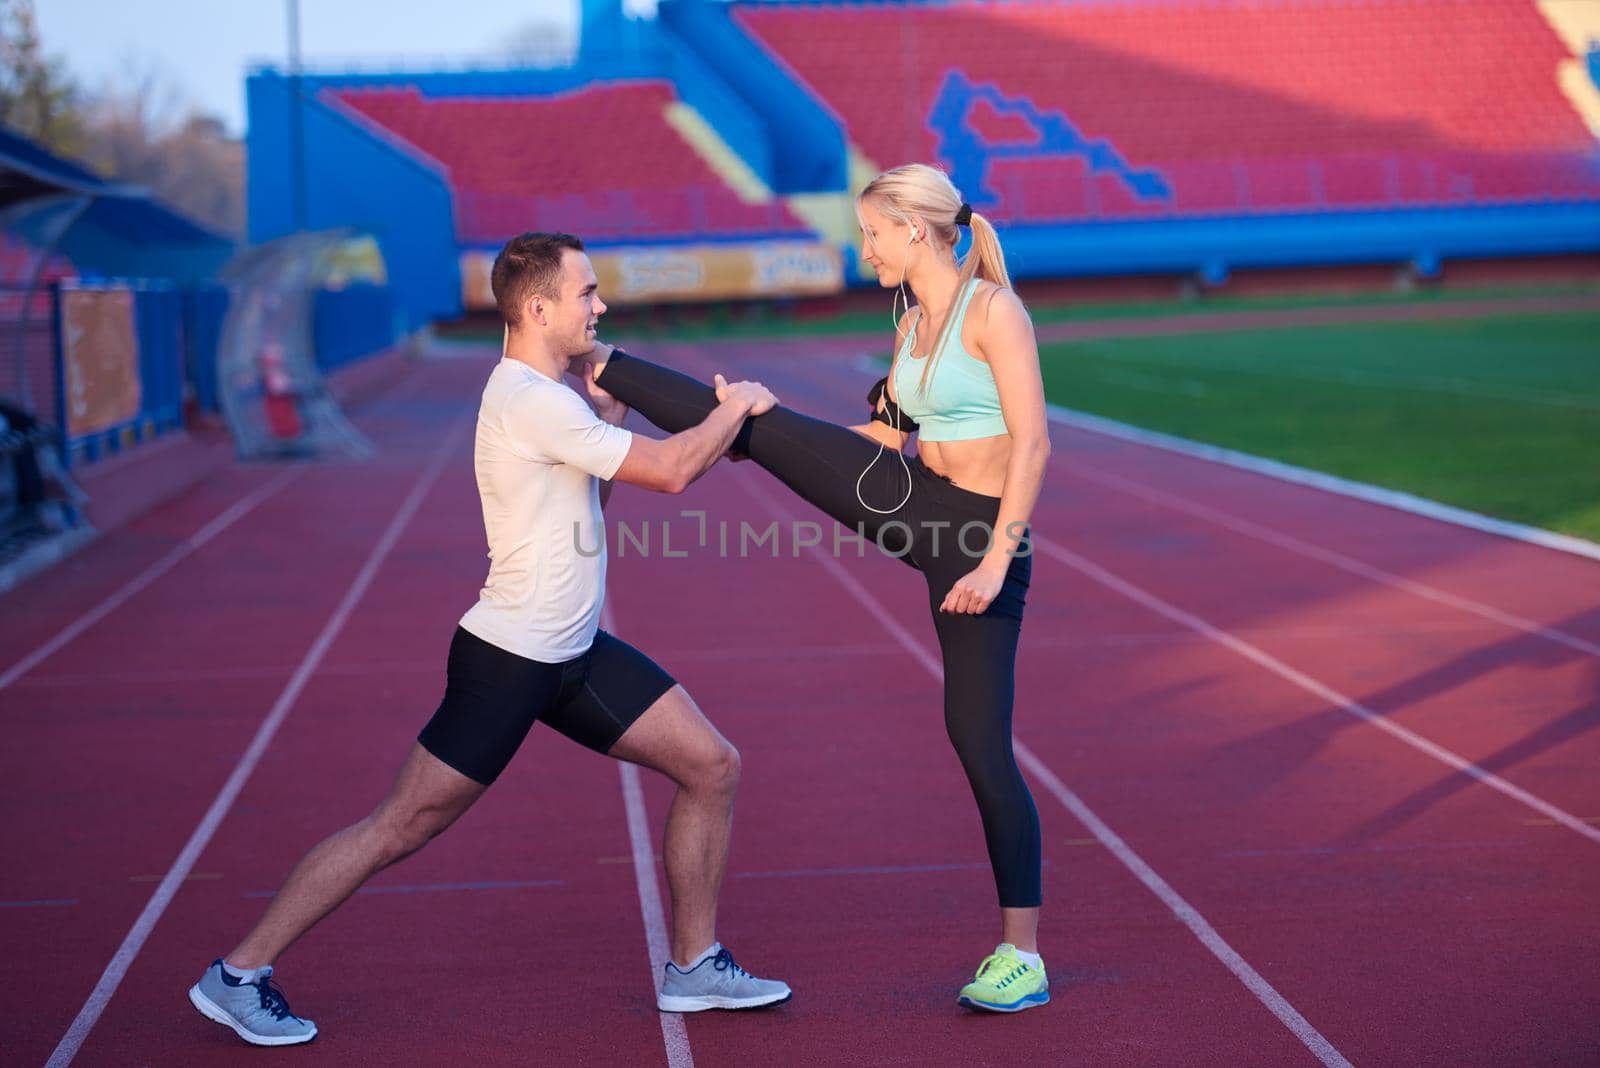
x,y
668,1003
214,1012
1028,1002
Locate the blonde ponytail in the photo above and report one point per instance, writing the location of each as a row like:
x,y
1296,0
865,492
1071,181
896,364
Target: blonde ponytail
x,y
989,259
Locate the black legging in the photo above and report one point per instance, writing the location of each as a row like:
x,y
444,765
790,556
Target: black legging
x,y
942,531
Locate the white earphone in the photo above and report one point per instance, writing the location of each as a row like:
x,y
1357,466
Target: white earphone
x,y
894,316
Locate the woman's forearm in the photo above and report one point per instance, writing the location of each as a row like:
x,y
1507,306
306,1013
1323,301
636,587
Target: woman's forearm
x,y
1024,479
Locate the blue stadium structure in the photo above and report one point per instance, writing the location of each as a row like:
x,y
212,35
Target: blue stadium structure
x,y
1124,136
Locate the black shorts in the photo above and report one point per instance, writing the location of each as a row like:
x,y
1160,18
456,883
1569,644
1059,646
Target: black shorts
x,y
492,698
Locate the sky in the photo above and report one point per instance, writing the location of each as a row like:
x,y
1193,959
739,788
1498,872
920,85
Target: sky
x,y
203,47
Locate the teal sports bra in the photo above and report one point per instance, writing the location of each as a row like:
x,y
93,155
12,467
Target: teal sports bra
x,y
961,402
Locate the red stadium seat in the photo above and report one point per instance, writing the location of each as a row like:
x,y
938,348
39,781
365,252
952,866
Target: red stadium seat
x,y
1240,105
601,162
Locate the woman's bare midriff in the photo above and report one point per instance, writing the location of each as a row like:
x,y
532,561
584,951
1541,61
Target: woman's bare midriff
x,y
978,465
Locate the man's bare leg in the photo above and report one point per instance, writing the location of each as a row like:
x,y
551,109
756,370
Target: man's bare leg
x,y
428,795
674,738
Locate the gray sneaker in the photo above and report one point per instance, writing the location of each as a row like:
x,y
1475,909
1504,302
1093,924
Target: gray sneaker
x,y
717,983
256,1011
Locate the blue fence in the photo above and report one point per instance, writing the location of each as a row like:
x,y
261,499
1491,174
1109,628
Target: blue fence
x,y
117,364
204,310
157,311
352,323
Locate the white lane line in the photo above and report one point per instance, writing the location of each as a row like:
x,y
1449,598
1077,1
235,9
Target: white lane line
x,y
1275,1002
73,1040
1311,685
674,1035
1344,487
232,515
1328,556
1186,913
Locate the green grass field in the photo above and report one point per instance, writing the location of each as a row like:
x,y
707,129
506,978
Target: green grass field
x,y
1500,415
729,322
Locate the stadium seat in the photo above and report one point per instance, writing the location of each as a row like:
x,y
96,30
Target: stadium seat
x,y
601,162
1238,107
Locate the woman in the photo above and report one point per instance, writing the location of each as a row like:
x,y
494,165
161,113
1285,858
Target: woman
x,y
966,380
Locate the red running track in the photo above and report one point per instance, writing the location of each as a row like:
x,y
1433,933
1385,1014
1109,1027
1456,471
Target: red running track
x,y
1239,705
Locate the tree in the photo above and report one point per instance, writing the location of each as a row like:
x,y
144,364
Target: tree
x,y
38,98
539,43
137,128
142,131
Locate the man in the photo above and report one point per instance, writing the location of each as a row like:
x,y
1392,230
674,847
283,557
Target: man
x,y
531,649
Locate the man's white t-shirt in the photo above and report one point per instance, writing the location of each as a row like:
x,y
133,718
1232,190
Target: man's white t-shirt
x,y
539,455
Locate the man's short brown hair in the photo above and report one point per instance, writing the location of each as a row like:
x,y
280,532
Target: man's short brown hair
x,y
529,264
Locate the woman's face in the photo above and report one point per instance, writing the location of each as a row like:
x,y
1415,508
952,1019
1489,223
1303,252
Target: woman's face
x,y
885,244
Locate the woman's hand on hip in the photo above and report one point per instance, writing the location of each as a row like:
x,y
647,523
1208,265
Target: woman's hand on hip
x,y
975,591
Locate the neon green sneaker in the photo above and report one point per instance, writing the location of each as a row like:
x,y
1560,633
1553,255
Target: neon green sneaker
x,y
1005,984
